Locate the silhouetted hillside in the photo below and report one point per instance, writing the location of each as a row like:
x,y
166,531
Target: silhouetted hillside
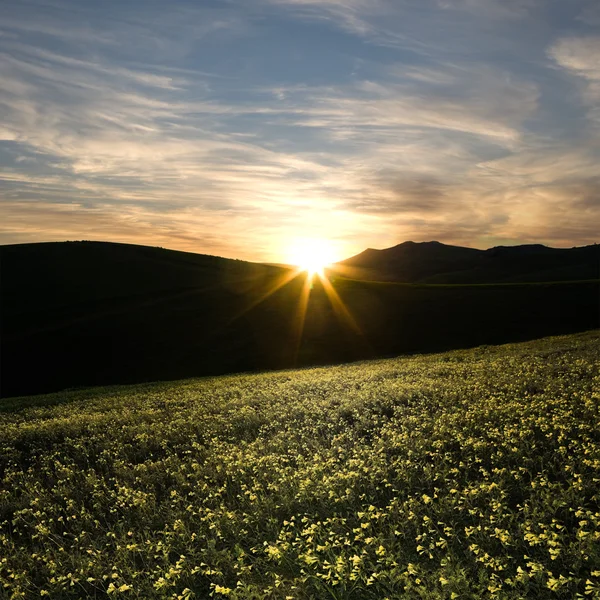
x,y
78,314
433,262
66,273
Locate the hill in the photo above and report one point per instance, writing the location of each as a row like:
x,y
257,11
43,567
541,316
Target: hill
x,y
433,262
78,314
72,272
470,474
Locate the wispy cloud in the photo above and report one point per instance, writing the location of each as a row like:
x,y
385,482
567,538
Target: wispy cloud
x,y
493,8
228,129
581,56
590,14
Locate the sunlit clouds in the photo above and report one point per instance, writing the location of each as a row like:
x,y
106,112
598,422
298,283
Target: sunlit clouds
x,y
233,128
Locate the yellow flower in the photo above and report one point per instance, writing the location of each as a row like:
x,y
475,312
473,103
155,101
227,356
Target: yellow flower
x,y
220,589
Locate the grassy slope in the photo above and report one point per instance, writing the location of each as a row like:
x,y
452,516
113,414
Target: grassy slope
x,y
470,474
80,314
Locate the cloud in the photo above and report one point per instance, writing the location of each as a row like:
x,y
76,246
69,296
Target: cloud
x,y
114,142
582,196
475,100
578,54
351,15
379,22
427,123
493,8
104,223
410,150
590,15
397,193
581,57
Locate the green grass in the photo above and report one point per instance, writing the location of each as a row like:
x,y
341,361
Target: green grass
x,y
469,474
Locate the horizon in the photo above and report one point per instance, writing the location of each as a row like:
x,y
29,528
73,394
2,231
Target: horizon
x,y
297,263
241,129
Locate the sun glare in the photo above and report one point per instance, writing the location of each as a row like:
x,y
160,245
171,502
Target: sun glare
x,y
312,255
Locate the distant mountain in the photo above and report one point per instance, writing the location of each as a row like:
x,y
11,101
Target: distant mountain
x,y
434,262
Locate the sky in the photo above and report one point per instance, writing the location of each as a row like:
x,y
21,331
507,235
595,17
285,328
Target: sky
x,y
231,127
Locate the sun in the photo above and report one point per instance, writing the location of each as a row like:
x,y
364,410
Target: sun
x,y
312,255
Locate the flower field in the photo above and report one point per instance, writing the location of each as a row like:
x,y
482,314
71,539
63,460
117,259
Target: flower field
x,y
470,474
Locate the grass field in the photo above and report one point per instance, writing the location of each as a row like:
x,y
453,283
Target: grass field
x,y
469,474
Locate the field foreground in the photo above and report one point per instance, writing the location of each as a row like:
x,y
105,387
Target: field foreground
x,y
469,474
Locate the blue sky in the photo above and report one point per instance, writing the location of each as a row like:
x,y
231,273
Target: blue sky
x,y
231,127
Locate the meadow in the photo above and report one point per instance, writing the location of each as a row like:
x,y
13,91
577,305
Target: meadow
x,y
467,474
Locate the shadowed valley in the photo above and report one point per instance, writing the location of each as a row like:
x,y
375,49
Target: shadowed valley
x,y
80,314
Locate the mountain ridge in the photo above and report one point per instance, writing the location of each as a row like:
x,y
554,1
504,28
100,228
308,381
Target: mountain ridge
x,y
436,262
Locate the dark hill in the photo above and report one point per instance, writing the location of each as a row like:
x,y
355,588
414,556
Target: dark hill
x,y
67,273
78,314
410,261
433,262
